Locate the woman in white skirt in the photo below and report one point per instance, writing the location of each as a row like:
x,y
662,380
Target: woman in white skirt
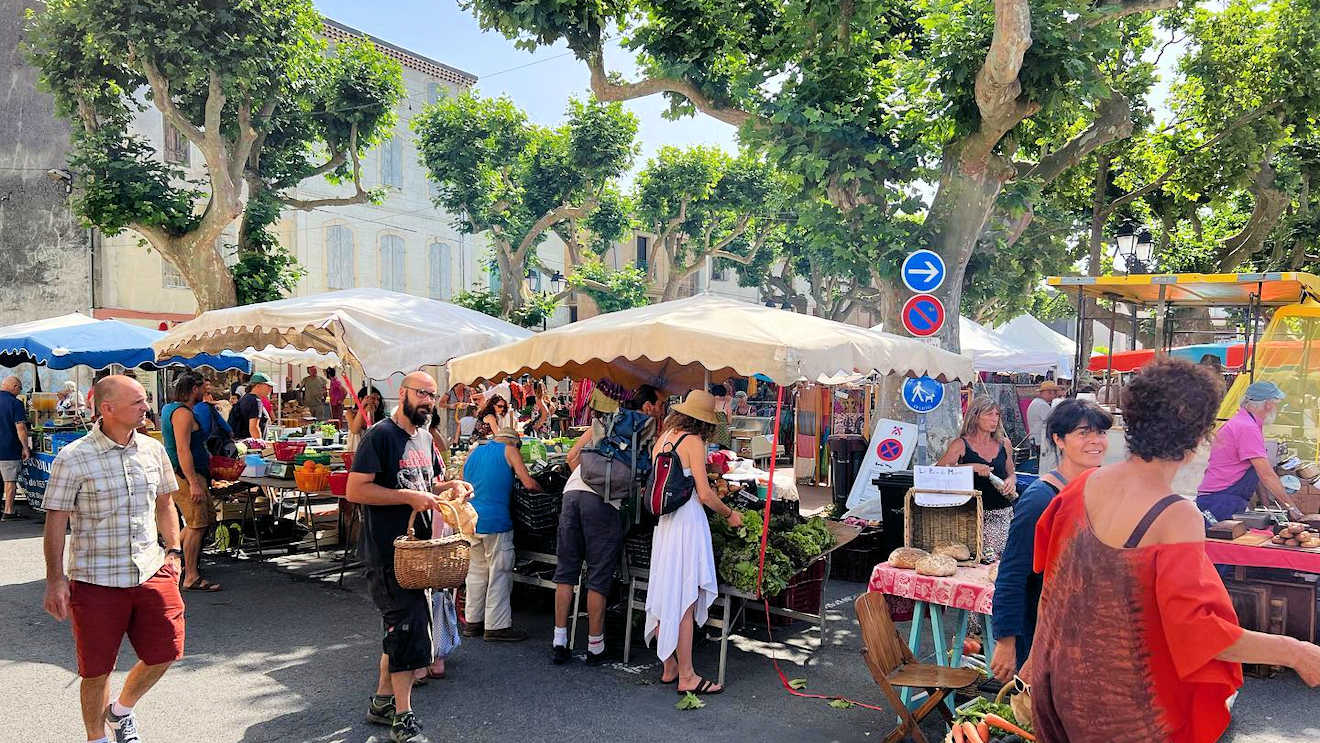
x,y
683,583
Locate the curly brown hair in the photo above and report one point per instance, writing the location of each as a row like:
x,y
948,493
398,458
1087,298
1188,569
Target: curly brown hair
x,y
687,424
1169,408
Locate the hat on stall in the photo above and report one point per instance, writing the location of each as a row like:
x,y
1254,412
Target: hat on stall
x,y
698,404
1262,391
508,435
1050,385
258,378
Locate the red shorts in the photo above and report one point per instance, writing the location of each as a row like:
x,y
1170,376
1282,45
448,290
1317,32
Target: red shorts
x,y
150,614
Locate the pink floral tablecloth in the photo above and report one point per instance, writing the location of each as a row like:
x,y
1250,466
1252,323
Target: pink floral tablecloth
x,y
970,588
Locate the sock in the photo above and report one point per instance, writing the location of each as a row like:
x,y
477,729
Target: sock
x,y
595,644
99,740
561,636
119,710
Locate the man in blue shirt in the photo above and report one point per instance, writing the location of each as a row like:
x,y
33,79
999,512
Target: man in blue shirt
x,y
14,446
490,469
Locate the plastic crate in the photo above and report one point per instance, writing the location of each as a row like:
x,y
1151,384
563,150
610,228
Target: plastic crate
x,y
637,546
803,592
546,543
536,512
857,559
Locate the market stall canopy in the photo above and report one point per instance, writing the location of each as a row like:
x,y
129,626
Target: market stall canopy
x,y
381,331
1231,355
271,356
992,352
1032,334
673,345
77,340
1275,288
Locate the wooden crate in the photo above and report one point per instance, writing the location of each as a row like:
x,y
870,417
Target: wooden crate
x,y
926,527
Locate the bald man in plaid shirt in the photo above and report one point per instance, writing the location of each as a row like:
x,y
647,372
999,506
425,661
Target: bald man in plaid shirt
x,y
113,487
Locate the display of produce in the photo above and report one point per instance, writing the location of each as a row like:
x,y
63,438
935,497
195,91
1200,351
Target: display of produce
x,y
792,544
984,721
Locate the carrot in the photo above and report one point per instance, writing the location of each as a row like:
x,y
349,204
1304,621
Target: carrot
x,y
972,735
983,730
995,721
958,733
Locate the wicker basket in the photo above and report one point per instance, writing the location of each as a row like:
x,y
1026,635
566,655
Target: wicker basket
x,y
1020,703
430,563
926,527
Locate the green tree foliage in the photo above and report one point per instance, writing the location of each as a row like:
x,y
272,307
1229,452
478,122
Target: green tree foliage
x,y
612,290
499,172
701,203
866,102
250,85
533,313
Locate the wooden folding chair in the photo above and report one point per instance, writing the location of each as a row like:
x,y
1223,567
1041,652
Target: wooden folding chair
x,y
893,667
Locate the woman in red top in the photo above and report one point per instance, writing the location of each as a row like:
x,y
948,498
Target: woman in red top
x,y
1160,653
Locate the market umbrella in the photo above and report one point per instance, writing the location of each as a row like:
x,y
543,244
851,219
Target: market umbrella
x,y
992,352
1032,334
77,340
380,331
674,345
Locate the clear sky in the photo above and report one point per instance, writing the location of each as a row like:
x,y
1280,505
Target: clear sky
x,y
540,82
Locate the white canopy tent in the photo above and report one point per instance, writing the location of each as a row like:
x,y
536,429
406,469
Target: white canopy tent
x,y
380,332
678,345
993,352
1028,332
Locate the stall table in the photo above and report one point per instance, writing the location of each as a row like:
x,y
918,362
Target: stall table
x,y
968,591
1248,552
275,490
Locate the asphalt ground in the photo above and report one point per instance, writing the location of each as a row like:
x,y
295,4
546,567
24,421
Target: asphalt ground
x,y
280,657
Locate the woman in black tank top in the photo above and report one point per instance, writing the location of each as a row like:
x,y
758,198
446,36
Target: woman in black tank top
x,y
983,432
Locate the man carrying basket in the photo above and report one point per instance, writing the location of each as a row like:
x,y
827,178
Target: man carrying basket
x,y
394,475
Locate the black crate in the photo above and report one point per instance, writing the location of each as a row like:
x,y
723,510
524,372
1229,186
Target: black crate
x,y
855,560
536,512
637,546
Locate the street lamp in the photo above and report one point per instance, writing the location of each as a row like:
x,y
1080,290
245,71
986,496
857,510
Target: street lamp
x,y
1137,248
556,281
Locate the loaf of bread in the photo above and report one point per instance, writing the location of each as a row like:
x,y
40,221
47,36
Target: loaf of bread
x,y
956,550
907,557
937,565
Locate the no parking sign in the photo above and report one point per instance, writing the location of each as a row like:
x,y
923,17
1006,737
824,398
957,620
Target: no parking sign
x,y
891,449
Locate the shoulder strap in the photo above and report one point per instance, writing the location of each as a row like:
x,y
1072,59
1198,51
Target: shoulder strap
x,y
1057,475
673,445
1144,525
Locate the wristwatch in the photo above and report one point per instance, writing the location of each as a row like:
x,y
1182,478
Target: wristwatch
x,y
174,551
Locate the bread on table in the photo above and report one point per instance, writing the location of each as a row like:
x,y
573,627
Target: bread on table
x,y
956,550
937,565
907,557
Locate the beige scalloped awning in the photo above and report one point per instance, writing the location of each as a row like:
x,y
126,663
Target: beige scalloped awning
x,y
380,331
673,345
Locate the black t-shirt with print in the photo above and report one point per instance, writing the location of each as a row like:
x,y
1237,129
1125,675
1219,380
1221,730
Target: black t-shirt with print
x,y
399,462
249,406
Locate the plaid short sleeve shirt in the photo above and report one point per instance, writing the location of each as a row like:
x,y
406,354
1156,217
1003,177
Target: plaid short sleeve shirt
x,y
110,492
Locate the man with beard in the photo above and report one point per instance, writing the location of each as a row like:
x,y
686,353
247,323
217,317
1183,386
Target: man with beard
x,y
395,474
1238,462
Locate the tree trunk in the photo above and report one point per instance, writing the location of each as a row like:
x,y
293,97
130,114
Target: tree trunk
x,y
511,280
1095,244
200,263
957,216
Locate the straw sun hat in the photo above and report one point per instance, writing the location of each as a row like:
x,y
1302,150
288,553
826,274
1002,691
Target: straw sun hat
x,y
698,404
508,435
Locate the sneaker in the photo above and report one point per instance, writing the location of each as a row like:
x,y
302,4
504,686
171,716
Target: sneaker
x,y
125,728
406,729
15,516
595,659
380,710
473,629
559,654
507,634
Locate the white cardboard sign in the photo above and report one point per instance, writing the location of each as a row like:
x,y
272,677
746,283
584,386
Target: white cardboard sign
x,y
942,479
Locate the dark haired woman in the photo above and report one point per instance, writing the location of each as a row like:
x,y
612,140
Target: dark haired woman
x,y
366,410
492,417
683,583
1076,432
1133,616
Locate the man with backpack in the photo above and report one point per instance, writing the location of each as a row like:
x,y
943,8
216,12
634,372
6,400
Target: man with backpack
x,y
591,528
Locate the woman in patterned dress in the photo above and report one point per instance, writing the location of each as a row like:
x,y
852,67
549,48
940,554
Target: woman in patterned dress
x,y
1137,641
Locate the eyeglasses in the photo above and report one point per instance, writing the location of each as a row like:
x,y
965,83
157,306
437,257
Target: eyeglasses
x,y
424,394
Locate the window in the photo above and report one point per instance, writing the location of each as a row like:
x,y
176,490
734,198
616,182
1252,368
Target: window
x,y
391,263
391,162
495,279
642,244
176,146
339,257
170,276
433,92
535,279
720,274
441,271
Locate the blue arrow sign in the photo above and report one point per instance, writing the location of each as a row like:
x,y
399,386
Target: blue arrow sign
x,y
922,394
923,271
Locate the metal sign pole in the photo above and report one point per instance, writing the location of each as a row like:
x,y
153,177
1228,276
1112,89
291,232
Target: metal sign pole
x,y
919,456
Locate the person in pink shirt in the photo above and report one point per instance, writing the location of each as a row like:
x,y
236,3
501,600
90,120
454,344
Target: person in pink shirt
x,y
1238,462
